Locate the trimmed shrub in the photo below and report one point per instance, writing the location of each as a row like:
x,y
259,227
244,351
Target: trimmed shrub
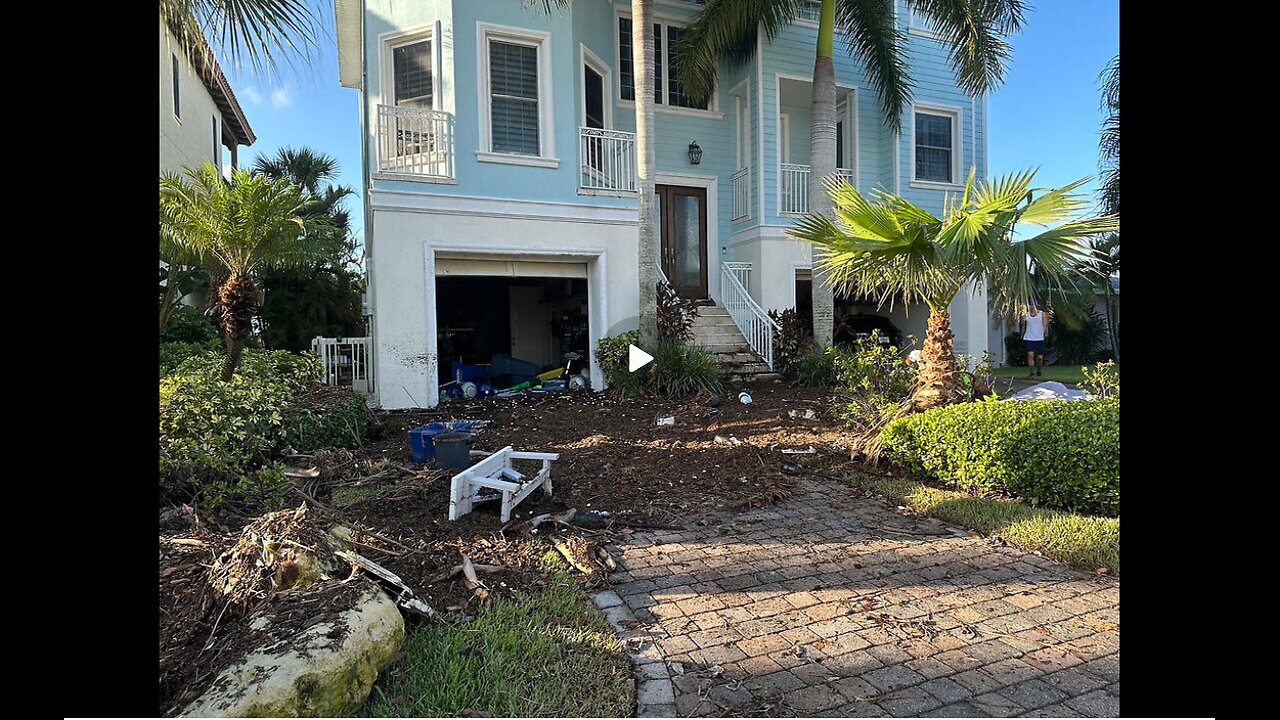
x,y
816,368
173,354
215,437
1103,379
188,324
325,418
680,370
1056,453
677,369
872,377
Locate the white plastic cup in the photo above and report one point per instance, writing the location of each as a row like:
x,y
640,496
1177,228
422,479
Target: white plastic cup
x,y
744,398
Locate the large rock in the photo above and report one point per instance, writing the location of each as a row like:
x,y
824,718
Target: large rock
x,y
326,670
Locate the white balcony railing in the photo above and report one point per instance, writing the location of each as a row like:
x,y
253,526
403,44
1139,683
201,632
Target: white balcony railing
x,y
793,183
415,141
756,325
346,361
741,193
608,161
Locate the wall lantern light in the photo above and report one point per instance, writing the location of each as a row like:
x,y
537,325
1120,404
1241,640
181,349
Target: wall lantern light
x,y
695,153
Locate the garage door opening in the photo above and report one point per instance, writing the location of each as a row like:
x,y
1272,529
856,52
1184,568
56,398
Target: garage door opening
x,y
541,321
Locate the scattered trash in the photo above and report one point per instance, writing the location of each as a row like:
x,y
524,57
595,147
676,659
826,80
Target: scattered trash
x,y
301,472
669,420
808,414
577,382
722,440
405,599
810,451
714,400
744,397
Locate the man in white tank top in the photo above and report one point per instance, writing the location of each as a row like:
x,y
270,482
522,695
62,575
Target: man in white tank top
x,y
1037,327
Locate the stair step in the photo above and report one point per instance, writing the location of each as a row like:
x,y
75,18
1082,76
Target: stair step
x,y
712,311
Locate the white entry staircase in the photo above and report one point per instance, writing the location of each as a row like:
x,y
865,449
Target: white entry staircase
x,y
715,330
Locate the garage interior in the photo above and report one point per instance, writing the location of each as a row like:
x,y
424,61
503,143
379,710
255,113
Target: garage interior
x,y
540,320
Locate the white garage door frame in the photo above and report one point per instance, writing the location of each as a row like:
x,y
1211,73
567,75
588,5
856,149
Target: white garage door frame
x,y
595,258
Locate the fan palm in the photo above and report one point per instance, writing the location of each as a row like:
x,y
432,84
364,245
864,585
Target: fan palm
x,y
1109,142
889,248
232,228
972,30
260,32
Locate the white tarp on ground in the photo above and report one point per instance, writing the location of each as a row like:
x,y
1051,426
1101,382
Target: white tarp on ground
x,y
1049,391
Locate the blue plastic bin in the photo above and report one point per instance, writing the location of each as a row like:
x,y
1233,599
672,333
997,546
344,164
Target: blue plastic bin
x,y
463,372
420,441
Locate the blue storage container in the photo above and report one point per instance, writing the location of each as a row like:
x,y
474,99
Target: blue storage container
x,y
463,372
420,441
520,370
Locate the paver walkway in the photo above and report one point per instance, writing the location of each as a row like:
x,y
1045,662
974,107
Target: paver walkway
x,y
832,604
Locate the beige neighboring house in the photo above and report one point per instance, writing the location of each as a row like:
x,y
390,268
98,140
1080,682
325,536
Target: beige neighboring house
x,y
199,115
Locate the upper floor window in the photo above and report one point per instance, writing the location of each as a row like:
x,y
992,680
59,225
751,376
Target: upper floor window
x,y
177,97
936,149
919,22
412,70
515,93
216,157
667,88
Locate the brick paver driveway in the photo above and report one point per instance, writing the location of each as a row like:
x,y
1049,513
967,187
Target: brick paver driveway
x,y
833,604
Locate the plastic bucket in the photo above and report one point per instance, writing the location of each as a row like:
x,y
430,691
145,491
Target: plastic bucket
x,y
420,441
453,450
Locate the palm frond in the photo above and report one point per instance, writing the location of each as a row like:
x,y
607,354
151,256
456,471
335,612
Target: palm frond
x,y
869,33
259,32
1055,204
725,30
974,32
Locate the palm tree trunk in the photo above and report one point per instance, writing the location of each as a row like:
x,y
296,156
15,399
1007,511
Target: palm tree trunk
x,y
234,301
1111,323
646,160
822,159
939,380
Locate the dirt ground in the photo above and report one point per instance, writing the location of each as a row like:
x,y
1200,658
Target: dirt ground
x,y
614,459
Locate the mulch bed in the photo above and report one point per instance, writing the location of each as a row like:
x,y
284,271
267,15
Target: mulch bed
x,y
614,458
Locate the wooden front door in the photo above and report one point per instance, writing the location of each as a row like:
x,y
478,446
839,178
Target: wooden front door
x,y
682,225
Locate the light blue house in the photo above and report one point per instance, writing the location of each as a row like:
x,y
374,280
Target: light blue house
x,y
499,159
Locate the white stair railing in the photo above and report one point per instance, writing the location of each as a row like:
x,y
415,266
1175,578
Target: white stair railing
x,y
793,183
608,160
346,361
752,321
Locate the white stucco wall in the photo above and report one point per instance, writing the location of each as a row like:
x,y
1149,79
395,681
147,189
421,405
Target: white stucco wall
x,y
187,140
414,232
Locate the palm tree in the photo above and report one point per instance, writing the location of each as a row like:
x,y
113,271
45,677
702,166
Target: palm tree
x,y
646,162
1109,142
322,297
261,32
972,30
233,228
888,247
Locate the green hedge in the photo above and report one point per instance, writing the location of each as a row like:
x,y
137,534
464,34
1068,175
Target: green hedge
x,y
1054,453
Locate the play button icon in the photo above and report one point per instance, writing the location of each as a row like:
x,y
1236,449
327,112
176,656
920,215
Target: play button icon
x,y
637,358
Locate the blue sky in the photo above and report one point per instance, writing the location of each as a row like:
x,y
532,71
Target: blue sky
x,y
1046,113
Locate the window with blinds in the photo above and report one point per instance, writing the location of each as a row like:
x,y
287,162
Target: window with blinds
x,y
513,89
412,70
934,147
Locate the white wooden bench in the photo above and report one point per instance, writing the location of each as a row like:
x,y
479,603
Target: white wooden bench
x,y
496,473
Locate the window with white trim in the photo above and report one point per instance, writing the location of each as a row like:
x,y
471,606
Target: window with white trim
x,y
936,147
515,92
920,22
668,90
413,81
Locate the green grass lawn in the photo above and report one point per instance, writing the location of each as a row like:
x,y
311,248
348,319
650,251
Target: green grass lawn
x,y
547,654
1065,374
1082,541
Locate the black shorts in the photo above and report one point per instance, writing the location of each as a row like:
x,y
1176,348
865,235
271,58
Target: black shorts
x,y
1035,346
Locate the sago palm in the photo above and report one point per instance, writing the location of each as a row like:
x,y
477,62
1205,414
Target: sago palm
x,y
234,228
972,31
893,250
